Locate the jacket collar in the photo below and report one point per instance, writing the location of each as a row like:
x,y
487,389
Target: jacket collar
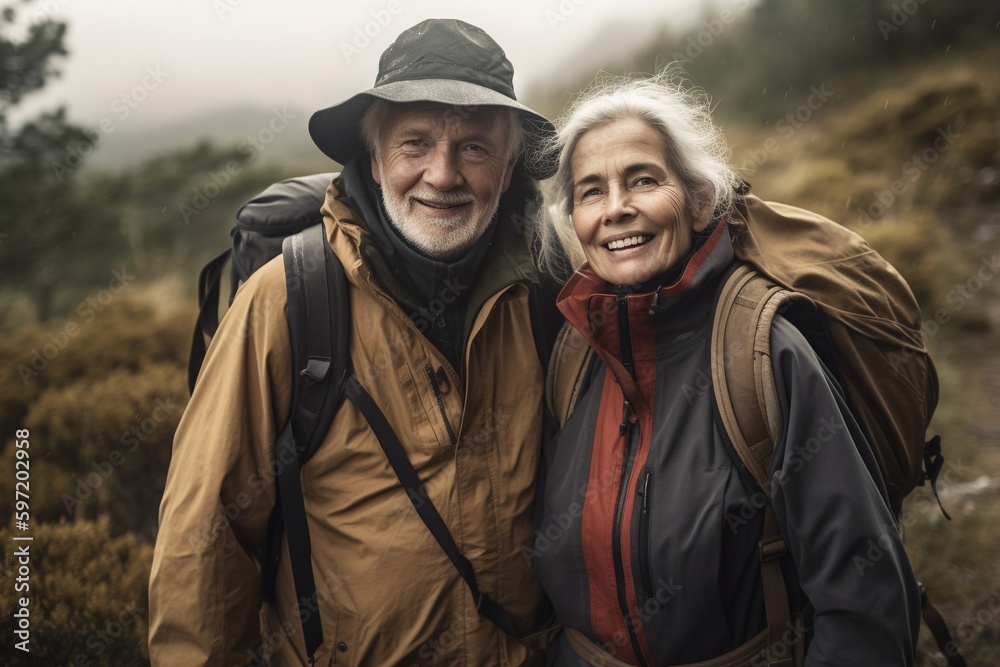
x,y
507,261
591,305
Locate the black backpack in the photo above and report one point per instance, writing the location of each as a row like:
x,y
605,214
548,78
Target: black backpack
x,y
285,219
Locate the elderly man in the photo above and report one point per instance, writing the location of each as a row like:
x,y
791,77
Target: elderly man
x,y
430,220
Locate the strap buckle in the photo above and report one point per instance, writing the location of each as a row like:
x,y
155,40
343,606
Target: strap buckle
x,y
771,548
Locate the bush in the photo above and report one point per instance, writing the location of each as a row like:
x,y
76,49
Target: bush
x,y
102,415
87,597
126,334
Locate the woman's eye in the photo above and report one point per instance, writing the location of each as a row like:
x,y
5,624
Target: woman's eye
x,y
645,180
414,143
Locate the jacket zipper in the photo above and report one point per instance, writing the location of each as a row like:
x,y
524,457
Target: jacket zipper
x,y
629,429
429,370
644,560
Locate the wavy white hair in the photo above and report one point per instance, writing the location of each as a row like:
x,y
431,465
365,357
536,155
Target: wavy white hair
x,y
696,150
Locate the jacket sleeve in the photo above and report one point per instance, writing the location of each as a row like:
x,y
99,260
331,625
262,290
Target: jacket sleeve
x,y
831,505
204,584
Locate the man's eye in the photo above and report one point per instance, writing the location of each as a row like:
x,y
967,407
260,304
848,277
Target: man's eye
x,y
475,148
414,143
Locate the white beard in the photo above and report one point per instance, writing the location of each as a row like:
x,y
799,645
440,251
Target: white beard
x,y
437,238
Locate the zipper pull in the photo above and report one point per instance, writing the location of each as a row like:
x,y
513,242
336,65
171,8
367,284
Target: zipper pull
x,y
626,418
442,380
654,307
644,492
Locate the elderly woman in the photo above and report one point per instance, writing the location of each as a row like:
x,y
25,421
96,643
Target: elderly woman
x,y
648,539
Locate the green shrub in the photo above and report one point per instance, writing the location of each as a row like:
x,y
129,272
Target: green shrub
x,y
87,596
102,415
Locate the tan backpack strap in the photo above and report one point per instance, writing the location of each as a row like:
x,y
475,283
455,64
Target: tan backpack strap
x,y
567,367
779,618
741,370
748,403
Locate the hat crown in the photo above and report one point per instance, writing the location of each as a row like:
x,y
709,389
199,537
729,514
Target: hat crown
x,y
447,49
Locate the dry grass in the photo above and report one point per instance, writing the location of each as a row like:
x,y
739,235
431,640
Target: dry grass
x,y
936,227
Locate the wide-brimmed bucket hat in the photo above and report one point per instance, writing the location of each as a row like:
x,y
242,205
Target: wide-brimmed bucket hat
x,y
438,60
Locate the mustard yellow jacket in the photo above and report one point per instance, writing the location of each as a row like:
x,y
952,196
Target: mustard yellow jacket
x,y
387,594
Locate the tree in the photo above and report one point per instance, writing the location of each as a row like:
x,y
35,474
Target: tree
x,y
51,231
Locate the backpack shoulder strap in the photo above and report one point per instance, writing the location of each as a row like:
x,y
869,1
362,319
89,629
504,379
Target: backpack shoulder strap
x,y
748,407
209,281
742,379
566,377
318,321
750,413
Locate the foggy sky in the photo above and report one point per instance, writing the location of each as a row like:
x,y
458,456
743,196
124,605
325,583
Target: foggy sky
x,y
150,63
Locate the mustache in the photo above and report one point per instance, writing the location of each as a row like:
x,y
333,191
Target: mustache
x,y
442,198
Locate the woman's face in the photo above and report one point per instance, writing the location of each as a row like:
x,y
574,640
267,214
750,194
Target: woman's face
x,y
629,210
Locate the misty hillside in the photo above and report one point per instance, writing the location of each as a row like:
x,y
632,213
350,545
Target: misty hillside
x,y
888,123
239,126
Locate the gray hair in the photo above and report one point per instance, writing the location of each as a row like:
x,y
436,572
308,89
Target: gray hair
x,y
681,113
507,121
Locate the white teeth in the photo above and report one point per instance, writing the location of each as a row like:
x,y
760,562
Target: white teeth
x,y
629,242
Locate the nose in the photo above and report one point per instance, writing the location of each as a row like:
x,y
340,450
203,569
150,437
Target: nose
x,y
617,205
442,170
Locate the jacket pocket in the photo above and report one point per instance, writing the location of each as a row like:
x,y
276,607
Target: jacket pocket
x,y
424,430
344,648
645,490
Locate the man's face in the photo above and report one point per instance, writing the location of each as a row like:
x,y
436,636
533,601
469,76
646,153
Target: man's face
x,y
442,170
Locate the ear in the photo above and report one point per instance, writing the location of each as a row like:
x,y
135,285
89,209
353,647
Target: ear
x,y
506,177
702,212
376,176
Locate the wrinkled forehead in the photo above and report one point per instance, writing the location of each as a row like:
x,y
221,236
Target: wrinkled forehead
x,y
437,117
616,144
